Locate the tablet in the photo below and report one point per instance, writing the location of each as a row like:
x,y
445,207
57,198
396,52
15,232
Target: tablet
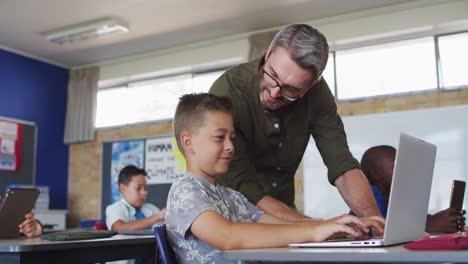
x,y
15,204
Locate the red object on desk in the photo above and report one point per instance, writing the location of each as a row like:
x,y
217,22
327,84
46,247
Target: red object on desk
x,y
454,241
100,226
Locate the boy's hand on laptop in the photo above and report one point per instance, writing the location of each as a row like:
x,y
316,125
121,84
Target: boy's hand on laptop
x,y
348,226
30,227
447,221
376,224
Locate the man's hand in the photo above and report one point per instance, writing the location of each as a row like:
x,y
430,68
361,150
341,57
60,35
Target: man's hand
x,y
375,223
30,227
447,221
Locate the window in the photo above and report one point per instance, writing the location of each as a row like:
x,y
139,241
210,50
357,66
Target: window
x,y
454,60
396,67
157,99
329,73
148,100
202,82
111,107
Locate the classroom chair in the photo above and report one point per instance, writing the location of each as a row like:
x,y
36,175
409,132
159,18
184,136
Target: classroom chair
x,y
164,252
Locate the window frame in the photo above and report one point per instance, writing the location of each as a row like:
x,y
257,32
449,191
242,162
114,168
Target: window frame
x,y
442,87
439,70
131,84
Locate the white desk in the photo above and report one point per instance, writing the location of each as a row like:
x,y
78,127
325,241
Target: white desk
x,y
357,255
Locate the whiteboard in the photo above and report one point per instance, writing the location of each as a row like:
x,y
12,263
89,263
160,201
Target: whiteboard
x,y
445,127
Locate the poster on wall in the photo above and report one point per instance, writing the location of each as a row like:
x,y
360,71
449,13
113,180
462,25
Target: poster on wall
x,y
11,140
124,153
163,161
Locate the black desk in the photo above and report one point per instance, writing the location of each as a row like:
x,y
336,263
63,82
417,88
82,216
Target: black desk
x,y
37,250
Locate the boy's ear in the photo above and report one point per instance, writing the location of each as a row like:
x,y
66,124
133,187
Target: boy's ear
x,y
186,142
122,187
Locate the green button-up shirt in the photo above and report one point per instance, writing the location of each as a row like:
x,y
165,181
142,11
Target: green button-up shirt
x,y
270,144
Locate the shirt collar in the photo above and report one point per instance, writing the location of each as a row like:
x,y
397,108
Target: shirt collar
x,y
129,207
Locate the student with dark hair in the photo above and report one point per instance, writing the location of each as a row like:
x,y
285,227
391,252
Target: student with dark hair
x,y
377,164
132,212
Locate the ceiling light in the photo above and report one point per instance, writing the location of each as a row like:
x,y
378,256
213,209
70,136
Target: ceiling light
x,y
87,30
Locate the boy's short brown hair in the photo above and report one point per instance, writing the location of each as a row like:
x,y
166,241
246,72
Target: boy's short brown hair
x,y
191,110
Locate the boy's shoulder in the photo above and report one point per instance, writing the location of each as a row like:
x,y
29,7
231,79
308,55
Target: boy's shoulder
x,y
190,183
231,192
117,205
186,181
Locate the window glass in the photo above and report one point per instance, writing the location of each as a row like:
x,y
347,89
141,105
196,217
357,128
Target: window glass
x,y
111,107
454,60
329,73
148,100
389,68
202,82
157,99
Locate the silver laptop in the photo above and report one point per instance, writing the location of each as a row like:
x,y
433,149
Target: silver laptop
x,y
409,197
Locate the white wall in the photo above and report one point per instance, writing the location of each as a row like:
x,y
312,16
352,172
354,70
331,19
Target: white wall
x,y
419,17
446,127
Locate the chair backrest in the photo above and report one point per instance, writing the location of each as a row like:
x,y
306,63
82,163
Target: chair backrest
x,y
166,254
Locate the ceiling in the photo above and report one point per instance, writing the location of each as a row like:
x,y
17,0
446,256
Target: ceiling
x,y
154,24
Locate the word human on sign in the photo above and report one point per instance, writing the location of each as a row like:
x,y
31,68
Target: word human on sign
x,y
160,147
160,161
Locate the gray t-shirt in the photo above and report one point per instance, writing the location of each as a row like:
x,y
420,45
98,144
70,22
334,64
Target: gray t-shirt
x,y
189,197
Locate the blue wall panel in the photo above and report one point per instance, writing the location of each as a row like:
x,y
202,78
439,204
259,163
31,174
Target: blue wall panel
x,y
36,91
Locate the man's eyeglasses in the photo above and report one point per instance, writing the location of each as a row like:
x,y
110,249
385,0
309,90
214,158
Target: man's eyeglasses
x,y
285,91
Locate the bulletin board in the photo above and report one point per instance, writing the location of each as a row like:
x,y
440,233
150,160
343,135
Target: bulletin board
x,y
25,171
160,158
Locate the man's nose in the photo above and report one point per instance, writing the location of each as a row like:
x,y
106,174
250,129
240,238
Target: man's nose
x,y
275,92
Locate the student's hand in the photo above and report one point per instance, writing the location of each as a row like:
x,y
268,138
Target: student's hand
x,y
447,221
162,214
342,226
376,224
30,227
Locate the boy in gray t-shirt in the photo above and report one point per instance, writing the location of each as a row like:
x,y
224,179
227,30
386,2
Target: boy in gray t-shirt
x,y
204,218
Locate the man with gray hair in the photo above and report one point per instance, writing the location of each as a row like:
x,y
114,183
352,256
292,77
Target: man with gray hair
x,y
279,101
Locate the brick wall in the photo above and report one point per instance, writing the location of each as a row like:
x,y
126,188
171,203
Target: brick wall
x,y
84,189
